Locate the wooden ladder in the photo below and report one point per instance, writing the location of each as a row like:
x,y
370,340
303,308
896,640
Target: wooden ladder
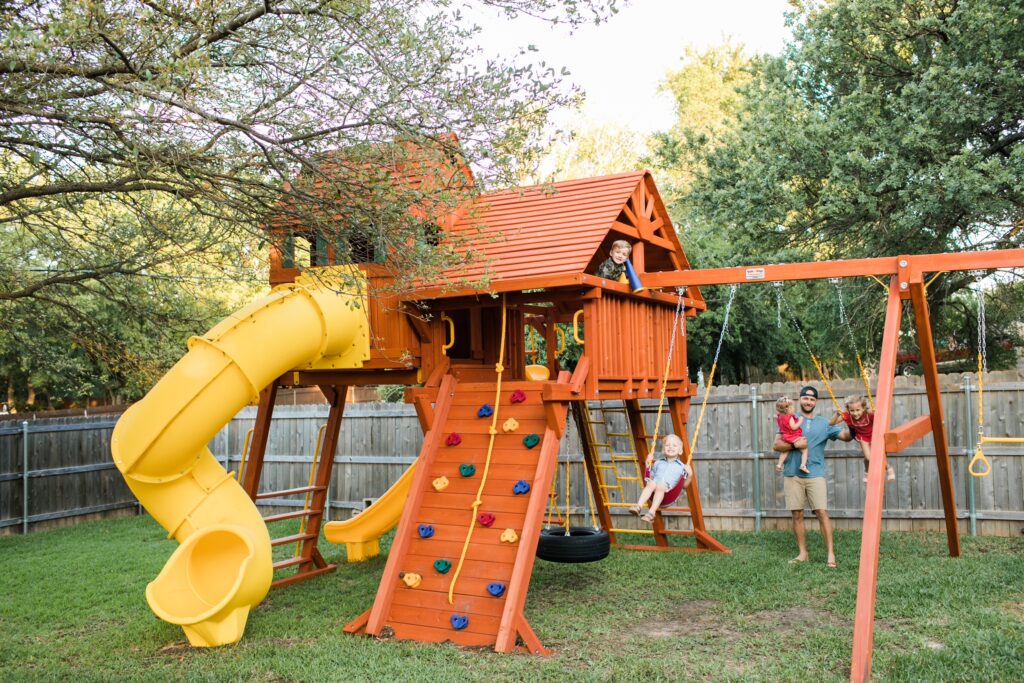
x,y
307,559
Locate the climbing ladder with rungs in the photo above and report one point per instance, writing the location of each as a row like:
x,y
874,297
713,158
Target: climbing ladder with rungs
x,y
460,565
611,433
612,452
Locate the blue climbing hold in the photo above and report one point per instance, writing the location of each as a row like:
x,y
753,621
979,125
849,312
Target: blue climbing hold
x,y
496,589
459,621
426,530
485,410
521,487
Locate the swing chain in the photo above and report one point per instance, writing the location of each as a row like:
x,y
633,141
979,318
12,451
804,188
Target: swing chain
x,y
982,331
725,322
778,305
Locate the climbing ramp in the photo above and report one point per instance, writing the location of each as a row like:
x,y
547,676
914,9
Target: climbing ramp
x,y
460,565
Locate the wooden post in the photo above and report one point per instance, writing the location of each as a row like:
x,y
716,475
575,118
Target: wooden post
x,y
867,579
258,446
931,382
603,513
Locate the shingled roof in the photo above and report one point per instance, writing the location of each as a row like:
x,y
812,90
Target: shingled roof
x,y
547,235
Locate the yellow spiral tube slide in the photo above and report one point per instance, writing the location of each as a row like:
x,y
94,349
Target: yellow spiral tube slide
x,y
223,566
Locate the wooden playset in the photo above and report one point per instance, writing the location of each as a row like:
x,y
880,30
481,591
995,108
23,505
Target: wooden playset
x,y
460,565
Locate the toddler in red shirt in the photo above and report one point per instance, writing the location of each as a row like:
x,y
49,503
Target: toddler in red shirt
x,y
861,422
791,432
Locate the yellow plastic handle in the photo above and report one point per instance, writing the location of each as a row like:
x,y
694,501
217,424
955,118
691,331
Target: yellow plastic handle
x,y
979,456
560,333
576,326
451,334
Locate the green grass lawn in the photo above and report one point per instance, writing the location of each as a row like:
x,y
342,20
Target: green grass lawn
x,y
73,607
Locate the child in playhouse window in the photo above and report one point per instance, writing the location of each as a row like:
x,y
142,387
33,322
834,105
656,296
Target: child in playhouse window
x,y
614,267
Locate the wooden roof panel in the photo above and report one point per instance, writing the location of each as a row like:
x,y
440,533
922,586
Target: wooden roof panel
x,y
543,230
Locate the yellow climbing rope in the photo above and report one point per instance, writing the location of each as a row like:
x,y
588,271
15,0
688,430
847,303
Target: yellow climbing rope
x,y
493,431
664,378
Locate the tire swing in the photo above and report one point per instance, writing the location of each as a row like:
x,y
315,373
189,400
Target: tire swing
x,y
571,544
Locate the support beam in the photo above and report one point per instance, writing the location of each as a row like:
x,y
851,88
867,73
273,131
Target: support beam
x,y
931,384
907,433
258,445
867,579
915,267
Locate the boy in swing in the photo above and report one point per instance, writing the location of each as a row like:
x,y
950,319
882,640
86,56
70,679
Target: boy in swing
x,y
665,474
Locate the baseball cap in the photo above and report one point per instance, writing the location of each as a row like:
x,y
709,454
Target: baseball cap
x,y
809,391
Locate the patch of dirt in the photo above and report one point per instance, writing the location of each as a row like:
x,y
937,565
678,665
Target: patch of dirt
x,y
175,649
1014,609
692,617
797,619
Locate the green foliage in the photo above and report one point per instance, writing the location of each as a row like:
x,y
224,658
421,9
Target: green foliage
x,y
146,146
887,127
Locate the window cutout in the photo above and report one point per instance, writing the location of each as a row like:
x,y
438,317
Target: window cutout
x,y
302,252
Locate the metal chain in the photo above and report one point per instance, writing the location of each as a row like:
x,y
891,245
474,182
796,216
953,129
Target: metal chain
x,y
725,322
982,328
778,305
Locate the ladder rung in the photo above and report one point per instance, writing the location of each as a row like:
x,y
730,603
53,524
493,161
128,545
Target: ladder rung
x,y
292,515
629,478
289,492
633,531
611,410
295,538
618,434
623,458
291,561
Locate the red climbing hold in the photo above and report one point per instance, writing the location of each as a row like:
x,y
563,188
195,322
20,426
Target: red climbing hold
x,y
453,439
518,396
485,519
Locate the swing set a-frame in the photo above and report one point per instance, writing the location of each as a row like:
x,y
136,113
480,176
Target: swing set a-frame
x,y
907,281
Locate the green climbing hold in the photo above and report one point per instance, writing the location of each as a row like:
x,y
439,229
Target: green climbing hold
x,y
442,566
531,440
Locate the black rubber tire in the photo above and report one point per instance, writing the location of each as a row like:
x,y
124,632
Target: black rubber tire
x,y
583,544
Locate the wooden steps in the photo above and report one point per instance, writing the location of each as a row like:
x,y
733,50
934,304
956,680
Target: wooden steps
x,y
424,612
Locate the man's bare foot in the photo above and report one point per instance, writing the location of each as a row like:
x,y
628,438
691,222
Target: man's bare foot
x,y
798,559
831,564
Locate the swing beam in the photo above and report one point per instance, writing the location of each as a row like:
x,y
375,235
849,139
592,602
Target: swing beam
x,y
906,282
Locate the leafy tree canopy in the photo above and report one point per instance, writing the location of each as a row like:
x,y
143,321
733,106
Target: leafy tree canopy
x,y
143,144
886,127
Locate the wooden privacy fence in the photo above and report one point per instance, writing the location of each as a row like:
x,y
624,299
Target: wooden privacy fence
x,y
60,469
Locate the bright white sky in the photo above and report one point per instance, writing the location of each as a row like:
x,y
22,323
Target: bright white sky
x,y
619,63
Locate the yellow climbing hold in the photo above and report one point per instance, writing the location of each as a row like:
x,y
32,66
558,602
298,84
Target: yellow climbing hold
x,y
510,425
411,579
509,536
440,484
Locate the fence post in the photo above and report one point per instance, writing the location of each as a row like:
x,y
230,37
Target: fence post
x,y
755,443
24,477
969,440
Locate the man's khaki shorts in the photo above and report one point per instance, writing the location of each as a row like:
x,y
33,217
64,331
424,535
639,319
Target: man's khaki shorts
x,y
807,492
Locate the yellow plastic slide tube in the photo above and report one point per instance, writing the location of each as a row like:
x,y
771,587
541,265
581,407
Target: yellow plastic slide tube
x,y
223,566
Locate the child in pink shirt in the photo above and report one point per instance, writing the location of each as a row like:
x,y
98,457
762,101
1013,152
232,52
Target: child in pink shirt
x,y
790,431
